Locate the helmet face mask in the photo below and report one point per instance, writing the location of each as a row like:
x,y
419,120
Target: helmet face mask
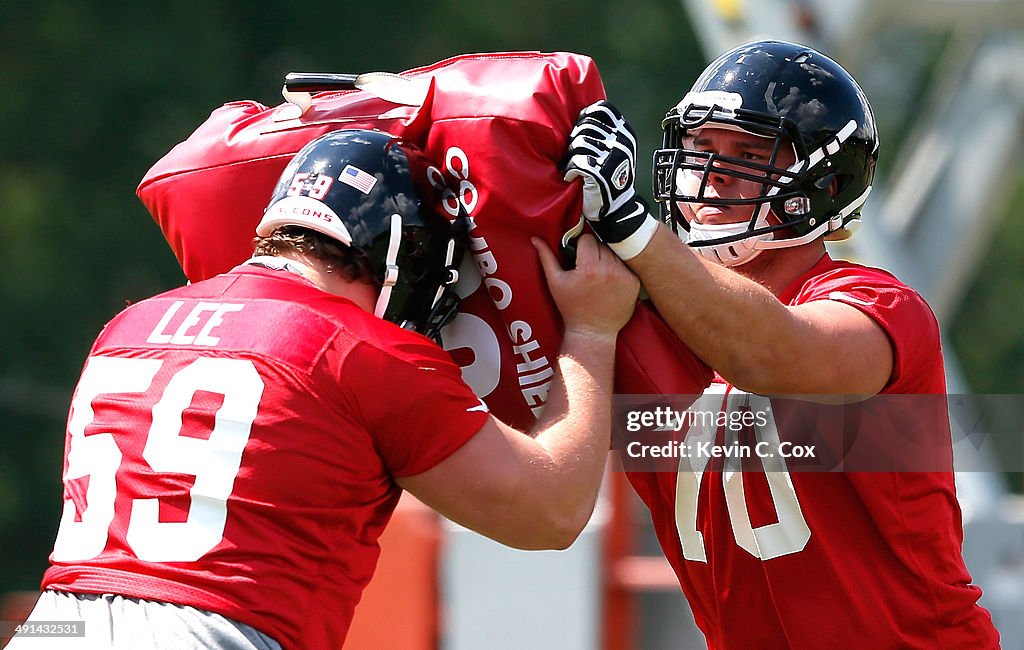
x,y
802,102
375,193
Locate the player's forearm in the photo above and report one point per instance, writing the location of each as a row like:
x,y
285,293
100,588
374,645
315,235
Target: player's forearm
x,y
732,323
574,431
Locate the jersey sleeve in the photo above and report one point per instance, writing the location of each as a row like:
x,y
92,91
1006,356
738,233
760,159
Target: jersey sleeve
x,y
900,311
414,403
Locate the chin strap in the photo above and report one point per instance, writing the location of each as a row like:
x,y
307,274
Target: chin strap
x,y
451,272
446,299
390,267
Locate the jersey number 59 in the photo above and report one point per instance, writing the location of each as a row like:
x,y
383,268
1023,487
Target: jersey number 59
x,y
213,461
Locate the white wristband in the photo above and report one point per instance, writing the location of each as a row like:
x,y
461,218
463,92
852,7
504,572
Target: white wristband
x,y
633,245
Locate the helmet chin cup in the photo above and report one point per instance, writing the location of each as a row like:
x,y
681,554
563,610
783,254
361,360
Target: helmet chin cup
x,y
708,239
730,255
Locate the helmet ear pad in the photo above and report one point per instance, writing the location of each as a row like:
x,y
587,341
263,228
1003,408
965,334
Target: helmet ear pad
x,y
382,196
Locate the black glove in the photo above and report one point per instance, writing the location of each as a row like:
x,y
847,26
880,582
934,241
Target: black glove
x,y
602,151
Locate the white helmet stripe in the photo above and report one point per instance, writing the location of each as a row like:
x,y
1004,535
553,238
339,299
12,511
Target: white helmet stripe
x,y
306,212
832,146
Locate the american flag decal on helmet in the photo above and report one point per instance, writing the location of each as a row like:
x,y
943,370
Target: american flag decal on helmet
x,y
357,178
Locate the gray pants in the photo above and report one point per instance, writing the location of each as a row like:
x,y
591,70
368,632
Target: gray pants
x,y
120,623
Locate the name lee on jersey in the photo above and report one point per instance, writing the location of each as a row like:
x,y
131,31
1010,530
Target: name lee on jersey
x,y
198,326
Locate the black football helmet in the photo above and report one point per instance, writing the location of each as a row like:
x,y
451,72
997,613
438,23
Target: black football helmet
x,y
800,98
383,196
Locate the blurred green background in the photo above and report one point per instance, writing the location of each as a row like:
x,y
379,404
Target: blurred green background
x,y
92,94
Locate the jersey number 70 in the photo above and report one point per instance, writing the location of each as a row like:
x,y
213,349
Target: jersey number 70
x,y
789,535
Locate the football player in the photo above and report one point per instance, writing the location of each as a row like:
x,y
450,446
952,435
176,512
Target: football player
x,y
236,447
770,154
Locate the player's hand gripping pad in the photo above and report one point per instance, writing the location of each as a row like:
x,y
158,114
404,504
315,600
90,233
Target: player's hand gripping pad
x,y
498,125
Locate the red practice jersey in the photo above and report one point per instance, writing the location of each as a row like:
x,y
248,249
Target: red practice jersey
x,y
232,446
780,559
